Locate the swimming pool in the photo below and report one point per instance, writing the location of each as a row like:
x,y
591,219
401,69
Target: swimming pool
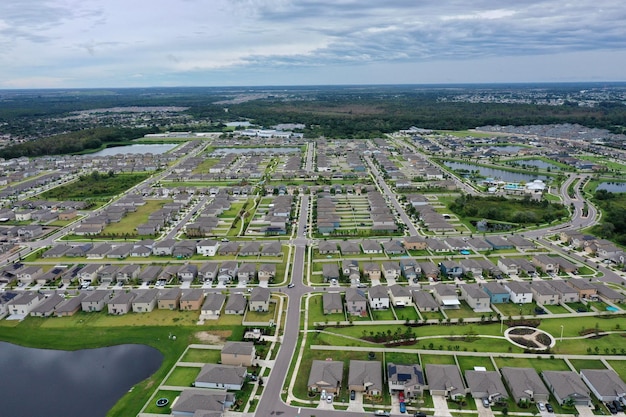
x,y
613,309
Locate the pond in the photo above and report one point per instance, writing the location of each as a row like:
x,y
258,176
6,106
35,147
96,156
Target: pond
x,y
495,173
243,151
614,187
42,382
153,148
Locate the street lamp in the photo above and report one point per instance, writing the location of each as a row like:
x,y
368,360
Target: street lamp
x,y
561,332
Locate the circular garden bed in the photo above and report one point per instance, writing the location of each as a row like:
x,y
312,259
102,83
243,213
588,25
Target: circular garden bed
x,y
529,338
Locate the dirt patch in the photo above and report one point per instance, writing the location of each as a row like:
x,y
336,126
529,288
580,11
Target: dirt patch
x,y
217,337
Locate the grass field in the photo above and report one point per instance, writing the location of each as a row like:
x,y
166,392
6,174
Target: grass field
x,y
183,376
130,221
587,364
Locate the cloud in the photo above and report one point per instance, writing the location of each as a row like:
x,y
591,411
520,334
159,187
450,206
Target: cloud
x,y
78,40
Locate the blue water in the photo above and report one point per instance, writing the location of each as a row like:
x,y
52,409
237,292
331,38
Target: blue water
x,y
611,308
154,149
496,173
614,187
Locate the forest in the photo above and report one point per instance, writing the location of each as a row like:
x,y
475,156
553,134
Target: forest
x,y
499,208
74,142
613,224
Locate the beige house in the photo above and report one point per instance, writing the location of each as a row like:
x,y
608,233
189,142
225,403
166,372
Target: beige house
x,y
121,303
168,299
259,299
191,299
145,302
238,353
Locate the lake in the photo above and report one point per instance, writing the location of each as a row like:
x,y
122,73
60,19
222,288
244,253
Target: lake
x,y
153,148
55,383
496,173
614,187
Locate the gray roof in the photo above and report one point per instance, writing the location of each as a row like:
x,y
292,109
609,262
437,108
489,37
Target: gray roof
x,y
122,298
378,291
48,304
399,291
326,373
518,287
332,301
561,286
524,383
366,373
355,295
260,294
605,382
169,294
543,288
97,296
238,348
408,375
445,378
236,302
214,301
495,288
223,374
71,304
146,296
566,384
474,291
424,299
192,399
486,382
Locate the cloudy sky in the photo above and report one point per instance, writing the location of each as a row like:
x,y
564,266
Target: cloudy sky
x,y
126,43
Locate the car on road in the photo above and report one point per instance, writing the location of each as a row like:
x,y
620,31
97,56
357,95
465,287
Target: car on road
x,y
541,406
486,402
382,413
352,395
403,407
549,408
291,285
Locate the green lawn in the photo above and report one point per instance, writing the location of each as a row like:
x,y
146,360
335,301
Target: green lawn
x,y
587,364
170,395
537,363
469,362
556,309
183,376
620,368
127,225
202,356
95,185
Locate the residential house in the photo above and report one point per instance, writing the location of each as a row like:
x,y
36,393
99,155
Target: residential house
x,y
567,293
208,271
246,272
371,247
445,380
145,301
520,292
496,292
272,249
330,271
29,274
408,379
95,301
476,298
191,299
586,290
24,303
393,247
164,247
331,302
508,266
411,270
327,247
47,307
199,401
414,243
479,244
70,306
525,385
150,273
471,268
348,247
108,273
429,270
391,270
259,299
121,303
520,243
544,293
168,299
128,273
424,301
605,384
89,273
238,353
446,296
228,249
567,386
547,264
267,273
236,304
400,296
486,384
187,273
207,247
372,270
366,377
213,304
227,272
451,269
325,375
356,302
378,298
609,294
217,376
250,249
498,242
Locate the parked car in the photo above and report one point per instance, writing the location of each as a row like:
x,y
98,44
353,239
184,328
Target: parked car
x,y
618,406
329,398
486,402
323,394
549,408
352,395
611,408
382,413
402,407
541,406
401,396
419,414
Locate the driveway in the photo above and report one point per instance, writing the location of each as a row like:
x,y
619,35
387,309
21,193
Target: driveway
x,y
482,410
441,406
584,411
356,405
